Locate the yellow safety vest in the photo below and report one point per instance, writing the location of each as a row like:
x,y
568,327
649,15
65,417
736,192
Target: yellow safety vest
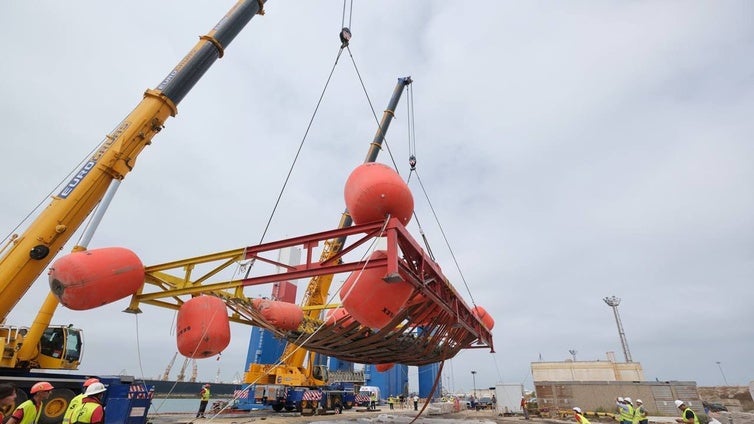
x,y
30,412
84,412
683,415
639,414
205,394
582,419
72,406
627,414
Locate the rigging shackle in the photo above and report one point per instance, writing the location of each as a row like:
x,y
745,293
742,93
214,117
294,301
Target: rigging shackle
x,y
412,162
345,37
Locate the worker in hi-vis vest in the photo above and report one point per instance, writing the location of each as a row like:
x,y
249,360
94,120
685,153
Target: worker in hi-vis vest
x,y
579,416
91,410
688,416
76,401
204,399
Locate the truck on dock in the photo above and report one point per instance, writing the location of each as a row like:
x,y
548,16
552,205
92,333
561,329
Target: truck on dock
x,y
307,401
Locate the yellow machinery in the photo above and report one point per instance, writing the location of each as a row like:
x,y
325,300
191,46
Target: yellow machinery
x,y
26,255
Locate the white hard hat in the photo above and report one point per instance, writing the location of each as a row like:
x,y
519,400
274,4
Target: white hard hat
x,y
627,399
95,388
639,401
678,403
577,409
620,399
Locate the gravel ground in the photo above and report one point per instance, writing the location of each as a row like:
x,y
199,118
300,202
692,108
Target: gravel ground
x,y
403,417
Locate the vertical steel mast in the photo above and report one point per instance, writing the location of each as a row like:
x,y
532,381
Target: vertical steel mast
x,y
613,302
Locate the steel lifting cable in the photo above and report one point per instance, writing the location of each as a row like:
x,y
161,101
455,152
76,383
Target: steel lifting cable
x,y
444,237
298,152
350,14
413,170
412,163
285,183
411,129
345,36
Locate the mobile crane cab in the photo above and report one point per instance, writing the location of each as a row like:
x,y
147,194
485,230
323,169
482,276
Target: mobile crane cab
x,y
59,348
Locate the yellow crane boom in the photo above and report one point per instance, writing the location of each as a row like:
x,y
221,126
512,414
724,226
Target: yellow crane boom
x,y
31,252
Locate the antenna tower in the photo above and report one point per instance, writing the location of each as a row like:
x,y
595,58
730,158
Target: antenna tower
x,y
613,302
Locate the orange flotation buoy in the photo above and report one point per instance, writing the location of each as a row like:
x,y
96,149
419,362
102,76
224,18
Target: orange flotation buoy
x,y
369,299
483,316
91,278
374,190
283,315
384,367
202,326
339,316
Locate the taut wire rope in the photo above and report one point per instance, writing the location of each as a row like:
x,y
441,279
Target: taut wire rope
x,y
298,153
414,170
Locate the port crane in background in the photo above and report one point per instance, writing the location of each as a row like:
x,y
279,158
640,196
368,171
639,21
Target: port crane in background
x,y
285,384
166,374
25,256
182,373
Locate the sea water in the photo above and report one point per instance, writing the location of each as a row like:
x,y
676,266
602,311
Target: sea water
x,y
176,405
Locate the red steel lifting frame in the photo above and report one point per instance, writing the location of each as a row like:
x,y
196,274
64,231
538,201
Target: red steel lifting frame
x,y
444,311
434,325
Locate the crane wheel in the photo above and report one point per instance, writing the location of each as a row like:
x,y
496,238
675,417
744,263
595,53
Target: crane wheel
x,y
54,408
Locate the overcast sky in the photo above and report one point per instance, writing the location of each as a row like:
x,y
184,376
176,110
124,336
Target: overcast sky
x,y
571,151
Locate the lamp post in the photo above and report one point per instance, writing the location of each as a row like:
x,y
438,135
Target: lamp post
x,y
613,302
473,378
721,372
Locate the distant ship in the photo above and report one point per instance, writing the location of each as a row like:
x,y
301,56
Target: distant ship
x,y
164,387
168,388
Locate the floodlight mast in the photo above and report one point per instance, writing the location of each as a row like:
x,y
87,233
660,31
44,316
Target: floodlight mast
x,y
613,302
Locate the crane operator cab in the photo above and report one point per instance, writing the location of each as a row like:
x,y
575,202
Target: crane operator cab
x,y
60,348
319,372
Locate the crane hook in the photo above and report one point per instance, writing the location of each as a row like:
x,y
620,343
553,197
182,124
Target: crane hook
x,y
412,162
